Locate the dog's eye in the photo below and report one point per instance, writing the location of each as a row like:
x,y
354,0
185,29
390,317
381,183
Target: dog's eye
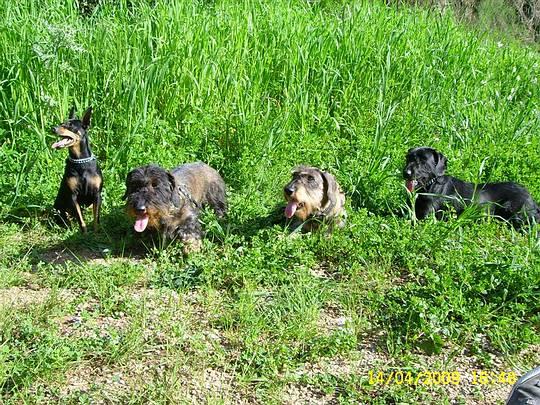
x,y
154,184
311,179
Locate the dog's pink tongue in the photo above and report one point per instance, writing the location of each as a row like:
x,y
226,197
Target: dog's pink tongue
x,y
290,209
141,223
60,143
410,185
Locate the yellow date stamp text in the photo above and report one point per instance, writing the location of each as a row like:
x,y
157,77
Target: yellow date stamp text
x,y
428,377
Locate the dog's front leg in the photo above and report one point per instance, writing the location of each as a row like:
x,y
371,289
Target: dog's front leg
x,y
78,213
96,207
423,206
190,233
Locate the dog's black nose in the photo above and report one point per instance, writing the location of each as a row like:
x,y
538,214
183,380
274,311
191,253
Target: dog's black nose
x,y
408,172
141,209
289,190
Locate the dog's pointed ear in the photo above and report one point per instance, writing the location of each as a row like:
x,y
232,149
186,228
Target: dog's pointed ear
x,y
72,112
172,181
330,189
440,163
86,117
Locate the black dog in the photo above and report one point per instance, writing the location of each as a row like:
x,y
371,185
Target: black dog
x,y
82,181
424,172
169,202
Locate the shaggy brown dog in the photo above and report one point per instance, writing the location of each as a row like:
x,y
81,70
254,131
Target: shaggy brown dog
x,y
169,202
314,197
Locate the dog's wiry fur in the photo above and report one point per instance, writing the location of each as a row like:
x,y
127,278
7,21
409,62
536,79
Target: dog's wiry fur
x,y
82,181
314,197
169,202
425,172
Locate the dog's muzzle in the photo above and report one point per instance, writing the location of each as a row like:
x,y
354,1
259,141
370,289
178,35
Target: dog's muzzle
x,y
141,222
288,190
68,138
410,183
292,205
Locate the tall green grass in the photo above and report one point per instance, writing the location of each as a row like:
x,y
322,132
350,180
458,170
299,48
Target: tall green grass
x,y
254,88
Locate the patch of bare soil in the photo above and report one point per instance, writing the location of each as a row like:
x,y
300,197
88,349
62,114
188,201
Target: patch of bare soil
x,y
332,319
304,394
62,255
214,385
98,327
148,378
26,296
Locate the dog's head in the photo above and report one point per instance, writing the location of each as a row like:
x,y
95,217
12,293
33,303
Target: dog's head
x,y
422,165
309,190
73,132
150,195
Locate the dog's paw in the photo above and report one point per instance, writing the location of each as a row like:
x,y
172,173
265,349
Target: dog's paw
x,y
191,245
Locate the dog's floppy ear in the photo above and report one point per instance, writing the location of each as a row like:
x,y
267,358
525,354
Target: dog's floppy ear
x,y
440,163
72,112
86,117
297,170
330,189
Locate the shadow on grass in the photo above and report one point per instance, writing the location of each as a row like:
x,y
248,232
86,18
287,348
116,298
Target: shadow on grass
x,y
362,197
114,238
250,227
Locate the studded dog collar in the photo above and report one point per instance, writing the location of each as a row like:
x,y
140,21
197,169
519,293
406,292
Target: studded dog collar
x,y
82,161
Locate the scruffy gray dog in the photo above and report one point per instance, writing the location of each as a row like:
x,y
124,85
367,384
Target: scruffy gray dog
x,y
169,201
314,197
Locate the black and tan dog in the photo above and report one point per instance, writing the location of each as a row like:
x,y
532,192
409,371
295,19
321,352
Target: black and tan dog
x,y
82,181
314,197
169,202
424,172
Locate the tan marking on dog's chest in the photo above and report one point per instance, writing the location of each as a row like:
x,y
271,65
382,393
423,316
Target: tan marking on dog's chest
x,y
72,183
95,182
76,149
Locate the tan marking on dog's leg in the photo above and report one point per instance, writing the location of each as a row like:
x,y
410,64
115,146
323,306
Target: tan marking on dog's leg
x,y
96,208
79,215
